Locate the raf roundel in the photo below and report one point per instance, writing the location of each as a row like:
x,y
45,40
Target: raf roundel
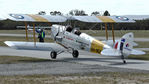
x,y
127,45
122,18
17,16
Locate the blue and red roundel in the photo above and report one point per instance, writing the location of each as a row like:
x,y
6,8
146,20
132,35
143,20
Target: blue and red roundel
x,y
16,16
122,18
127,45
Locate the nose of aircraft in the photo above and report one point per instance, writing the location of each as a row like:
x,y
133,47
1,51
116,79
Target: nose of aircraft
x,y
97,46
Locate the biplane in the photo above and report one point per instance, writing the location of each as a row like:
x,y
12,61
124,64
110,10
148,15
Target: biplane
x,y
68,39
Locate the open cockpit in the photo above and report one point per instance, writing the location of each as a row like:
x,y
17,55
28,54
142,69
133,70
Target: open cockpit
x,y
75,31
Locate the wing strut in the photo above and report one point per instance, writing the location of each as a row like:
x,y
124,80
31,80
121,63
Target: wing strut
x,y
113,36
34,35
106,29
26,31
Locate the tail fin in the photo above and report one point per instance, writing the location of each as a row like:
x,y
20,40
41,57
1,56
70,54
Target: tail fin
x,y
125,45
122,46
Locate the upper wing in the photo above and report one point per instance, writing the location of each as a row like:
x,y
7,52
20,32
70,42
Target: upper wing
x,y
36,18
39,46
103,19
48,18
2,19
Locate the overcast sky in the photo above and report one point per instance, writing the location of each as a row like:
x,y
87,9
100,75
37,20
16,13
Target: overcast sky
x,y
115,7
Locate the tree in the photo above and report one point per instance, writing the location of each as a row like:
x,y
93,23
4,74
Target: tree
x,y
106,13
77,13
55,13
1,24
96,13
42,13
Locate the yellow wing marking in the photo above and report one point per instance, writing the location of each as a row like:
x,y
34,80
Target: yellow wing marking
x,y
38,18
106,19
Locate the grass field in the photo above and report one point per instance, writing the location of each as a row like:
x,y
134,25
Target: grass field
x,y
20,32
89,78
118,33
18,59
142,45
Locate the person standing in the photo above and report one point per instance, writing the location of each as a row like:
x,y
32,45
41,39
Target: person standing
x,y
41,35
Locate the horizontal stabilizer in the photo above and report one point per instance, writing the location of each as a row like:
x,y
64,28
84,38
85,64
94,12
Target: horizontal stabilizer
x,y
134,44
137,52
32,46
110,52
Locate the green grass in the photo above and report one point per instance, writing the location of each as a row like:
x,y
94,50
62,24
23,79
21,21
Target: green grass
x,y
142,45
98,78
13,31
118,33
20,32
18,59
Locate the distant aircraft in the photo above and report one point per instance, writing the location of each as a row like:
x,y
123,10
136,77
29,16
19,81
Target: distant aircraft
x,y
68,39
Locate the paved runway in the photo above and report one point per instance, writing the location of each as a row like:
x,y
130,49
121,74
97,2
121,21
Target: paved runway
x,y
84,58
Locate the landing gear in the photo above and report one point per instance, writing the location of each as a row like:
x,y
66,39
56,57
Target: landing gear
x,y
124,61
75,54
53,54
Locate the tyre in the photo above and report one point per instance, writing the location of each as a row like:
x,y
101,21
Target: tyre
x,y
75,54
53,55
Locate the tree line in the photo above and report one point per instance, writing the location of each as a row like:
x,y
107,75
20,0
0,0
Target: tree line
x,y
76,12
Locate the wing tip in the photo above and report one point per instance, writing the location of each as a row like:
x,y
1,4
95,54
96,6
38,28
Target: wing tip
x,y
9,43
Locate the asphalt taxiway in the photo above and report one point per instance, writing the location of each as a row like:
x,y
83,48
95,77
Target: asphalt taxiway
x,y
65,63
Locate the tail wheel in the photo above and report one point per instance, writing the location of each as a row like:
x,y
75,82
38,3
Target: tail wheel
x,y
75,54
53,55
122,57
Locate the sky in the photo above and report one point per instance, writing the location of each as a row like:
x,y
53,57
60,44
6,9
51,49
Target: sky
x,y
115,7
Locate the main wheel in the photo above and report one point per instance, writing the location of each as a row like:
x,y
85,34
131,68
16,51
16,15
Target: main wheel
x,y
124,62
53,55
75,54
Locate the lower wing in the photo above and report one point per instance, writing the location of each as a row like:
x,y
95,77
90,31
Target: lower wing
x,y
39,46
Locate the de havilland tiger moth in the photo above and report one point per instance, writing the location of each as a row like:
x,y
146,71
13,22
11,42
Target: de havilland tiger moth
x,y
68,39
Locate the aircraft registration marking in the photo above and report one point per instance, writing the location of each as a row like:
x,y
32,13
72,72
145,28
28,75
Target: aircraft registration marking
x,y
68,38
